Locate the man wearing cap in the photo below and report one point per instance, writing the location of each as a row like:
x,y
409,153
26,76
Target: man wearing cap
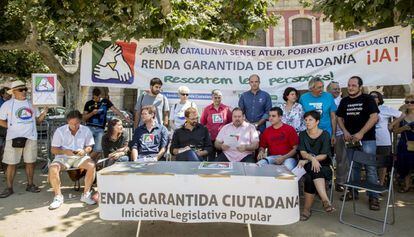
x,y
19,117
214,117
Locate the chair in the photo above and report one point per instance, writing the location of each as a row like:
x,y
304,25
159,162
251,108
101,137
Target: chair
x,y
330,186
380,162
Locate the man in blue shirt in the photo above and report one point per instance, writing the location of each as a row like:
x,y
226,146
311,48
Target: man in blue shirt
x,y
150,139
4,96
256,104
323,102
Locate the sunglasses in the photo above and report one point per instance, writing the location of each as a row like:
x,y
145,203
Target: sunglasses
x,y
409,102
183,94
21,89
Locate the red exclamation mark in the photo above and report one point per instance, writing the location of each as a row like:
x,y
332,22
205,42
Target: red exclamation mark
x,y
396,53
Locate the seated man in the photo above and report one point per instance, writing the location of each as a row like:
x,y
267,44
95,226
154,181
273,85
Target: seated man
x,y
238,139
281,141
150,140
71,145
192,141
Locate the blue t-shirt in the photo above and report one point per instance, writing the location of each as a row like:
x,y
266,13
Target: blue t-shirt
x,y
324,104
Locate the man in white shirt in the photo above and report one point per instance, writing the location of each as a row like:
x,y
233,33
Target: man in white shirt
x,y
71,145
20,117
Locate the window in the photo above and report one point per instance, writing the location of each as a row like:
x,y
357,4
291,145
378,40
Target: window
x,y
259,39
301,31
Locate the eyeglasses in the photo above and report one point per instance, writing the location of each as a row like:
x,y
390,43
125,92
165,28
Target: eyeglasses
x,y
22,89
409,102
184,94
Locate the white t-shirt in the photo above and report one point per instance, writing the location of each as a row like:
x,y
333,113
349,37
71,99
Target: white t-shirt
x,y
382,134
64,139
338,129
21,119
177,113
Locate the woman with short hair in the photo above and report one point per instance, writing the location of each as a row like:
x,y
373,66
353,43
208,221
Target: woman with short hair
x,y
292,110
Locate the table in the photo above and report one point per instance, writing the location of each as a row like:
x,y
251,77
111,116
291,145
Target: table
x,y
194,192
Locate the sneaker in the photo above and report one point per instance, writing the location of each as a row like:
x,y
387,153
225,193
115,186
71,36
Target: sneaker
x,y
374,204
57,202
32,188
6,192
87,198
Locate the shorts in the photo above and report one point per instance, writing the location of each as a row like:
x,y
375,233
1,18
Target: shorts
x,y
70,161
97,133
384,150
12,155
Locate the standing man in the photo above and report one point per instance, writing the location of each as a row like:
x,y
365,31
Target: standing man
x,y
19,117
94,114
214,117
357,116
342,165
238,140
150,139
280,139
323,102
154,97
71,145
4,96
255,104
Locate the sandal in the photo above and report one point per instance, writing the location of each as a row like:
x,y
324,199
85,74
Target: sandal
x,y
305,216
328,207
32,188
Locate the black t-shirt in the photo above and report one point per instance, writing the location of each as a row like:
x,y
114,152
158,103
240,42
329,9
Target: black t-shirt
x,y
99,119
356,112
318,146
109,146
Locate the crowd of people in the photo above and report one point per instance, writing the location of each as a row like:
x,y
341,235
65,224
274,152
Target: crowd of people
x,y
307,131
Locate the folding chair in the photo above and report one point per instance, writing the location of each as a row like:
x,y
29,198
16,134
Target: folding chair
x,y
330,186
380,162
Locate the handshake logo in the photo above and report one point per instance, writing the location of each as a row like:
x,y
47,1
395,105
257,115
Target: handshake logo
x,y
113,63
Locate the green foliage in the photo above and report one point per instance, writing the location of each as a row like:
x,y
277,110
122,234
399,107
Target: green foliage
x,y
21,64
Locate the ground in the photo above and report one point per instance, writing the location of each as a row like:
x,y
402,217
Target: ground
x,y
27,214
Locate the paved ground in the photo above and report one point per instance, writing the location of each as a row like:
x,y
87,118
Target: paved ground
x,y
26,214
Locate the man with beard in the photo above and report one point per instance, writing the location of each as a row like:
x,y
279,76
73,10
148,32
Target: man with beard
x,y
357,116
192,141
238,140
155,98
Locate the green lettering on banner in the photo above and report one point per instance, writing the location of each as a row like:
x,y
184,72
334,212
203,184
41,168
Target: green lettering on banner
x,y
199,80
286,80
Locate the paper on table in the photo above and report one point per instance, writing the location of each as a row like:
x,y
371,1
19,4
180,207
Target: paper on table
x,y
299,172
231,140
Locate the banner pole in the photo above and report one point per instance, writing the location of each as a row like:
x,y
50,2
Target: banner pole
x,y
249,230
138,228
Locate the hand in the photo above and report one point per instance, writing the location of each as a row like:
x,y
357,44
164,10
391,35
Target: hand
x,y
104,72
316,166
302,163
279,161
122,69
128,120
68,152
45,109
80,152
110,53
224,147
199,153
347,136
333,140
357,137
241,148
95,111
261,155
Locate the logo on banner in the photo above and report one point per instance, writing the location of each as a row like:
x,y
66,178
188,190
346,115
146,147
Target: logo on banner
x,y
44,83
217,118
148,139
113,63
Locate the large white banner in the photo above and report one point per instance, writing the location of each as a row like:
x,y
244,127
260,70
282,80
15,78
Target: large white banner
x,y
163,194
381,57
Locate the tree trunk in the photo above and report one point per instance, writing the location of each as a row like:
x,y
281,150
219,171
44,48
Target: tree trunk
x,y
71,84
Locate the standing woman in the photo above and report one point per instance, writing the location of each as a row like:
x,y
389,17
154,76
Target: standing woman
x,y
115,142
405,148
382,132
292,110
315,149
177,117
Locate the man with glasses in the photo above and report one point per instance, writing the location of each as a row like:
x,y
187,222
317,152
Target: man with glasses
x,y
20,117
323,102
177,117
153,97
357,115
192,141
214,117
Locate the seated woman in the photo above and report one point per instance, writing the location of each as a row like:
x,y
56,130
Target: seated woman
x,y
315,149
115,142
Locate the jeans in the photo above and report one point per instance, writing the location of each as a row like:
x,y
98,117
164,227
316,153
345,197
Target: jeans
x,y
189,155
120,159
290,163
369,147
97,137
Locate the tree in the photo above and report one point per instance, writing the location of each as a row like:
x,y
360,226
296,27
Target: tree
x,y
53,28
